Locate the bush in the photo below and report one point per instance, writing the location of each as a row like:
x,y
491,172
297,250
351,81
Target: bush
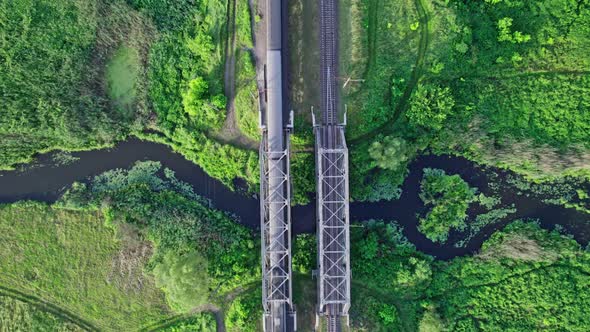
x,y
304,253
184,279
243,314
448,196
390,153
430,106
205,111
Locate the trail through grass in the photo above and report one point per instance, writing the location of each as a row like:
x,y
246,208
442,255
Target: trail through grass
x,y
71,260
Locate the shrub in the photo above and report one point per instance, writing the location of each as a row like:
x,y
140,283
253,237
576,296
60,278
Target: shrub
x,y
184,279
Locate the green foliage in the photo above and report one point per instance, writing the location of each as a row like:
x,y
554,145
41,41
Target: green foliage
x,y
370,183
186,61
204,113
202,322
72,261
390,153
246,98
304,253
519,83
525,278
449,197
373,35
178,222
544,285
176,219
431,322
186,92
430,106
388,315
244,312
302,177
382,256
20,316
499,82
45,79
167,14
184,279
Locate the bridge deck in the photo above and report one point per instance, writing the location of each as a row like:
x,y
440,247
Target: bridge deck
x,y
332,181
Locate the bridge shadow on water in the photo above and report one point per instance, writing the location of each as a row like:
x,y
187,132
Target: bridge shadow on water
x,y
44,181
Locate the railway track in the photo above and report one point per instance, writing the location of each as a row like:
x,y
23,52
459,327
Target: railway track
x,y
329,62
332,184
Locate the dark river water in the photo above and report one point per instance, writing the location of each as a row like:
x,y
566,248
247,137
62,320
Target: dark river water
x,y
45,181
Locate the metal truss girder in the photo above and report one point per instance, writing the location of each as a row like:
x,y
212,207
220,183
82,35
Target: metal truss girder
x,y
333,221
275,218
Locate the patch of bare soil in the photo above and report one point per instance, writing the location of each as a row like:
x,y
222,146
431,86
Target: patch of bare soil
x,y
519,248
128,264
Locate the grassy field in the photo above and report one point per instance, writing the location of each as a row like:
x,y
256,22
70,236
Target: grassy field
x,y
379,45
246,99
56,82
70,260
122,75
16,315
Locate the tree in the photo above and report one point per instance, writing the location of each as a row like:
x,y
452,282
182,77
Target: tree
x,y
184,279
430,106
449,197
390,153
204,112
431,321
388,314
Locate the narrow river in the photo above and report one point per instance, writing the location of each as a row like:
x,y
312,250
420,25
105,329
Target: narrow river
x,y
44,181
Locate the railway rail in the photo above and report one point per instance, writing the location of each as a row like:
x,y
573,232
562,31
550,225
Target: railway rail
x,y
332,182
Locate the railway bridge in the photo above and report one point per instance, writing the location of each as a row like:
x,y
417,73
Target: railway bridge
x,y
331,182
333,271
275,184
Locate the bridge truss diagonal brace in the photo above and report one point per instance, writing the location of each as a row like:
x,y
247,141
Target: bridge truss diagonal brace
x,y
275,218
333,223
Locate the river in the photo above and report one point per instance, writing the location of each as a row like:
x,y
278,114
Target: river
x,y
45,181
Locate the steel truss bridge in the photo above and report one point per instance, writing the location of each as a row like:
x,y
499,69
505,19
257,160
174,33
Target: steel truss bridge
x,y
332,182
333,273
275,185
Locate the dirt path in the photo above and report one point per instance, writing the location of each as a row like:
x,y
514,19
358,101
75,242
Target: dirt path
x,y
230,132
417,72
43,305
208,307
259,42
373,24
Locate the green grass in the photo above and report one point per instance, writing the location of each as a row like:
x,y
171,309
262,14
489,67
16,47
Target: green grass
x,y
17,315
54,77
202,322
380,48
122,74
246,99
305,297
72,260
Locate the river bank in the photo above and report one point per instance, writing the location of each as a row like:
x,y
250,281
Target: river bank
x,y
45,180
